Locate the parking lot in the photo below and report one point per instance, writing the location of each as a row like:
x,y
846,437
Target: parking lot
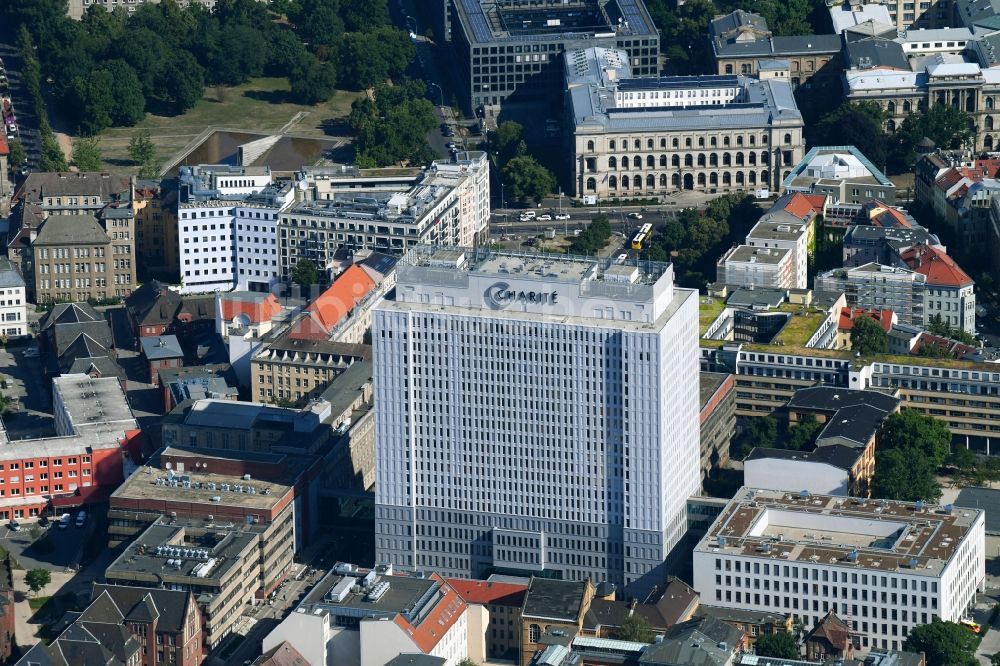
x,y
59,551
23,380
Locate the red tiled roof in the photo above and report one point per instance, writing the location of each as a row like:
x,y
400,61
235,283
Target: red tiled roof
x,y
882,214
483,592
802,206
435,624
939,268
848,315
989,168
334,304
4,148
957,349
257,311
946,180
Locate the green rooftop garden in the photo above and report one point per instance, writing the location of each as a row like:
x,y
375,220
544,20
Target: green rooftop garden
x,y
709,309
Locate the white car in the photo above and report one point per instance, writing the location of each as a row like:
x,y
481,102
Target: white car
x,y
635,216
562,216
544,218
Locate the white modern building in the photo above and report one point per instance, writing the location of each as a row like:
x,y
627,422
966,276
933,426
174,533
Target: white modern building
x,y
227,221
13,302
386,210
884,566
776,231
749,266
534,414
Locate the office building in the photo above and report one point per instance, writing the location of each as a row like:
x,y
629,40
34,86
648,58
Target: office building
x,y
843,174
514,50
227,227
889,566
776,230
741,41
13,302
447,204
297,370
642,137
371,616
755,267
598,494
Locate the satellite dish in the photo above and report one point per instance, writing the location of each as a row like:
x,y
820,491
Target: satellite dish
x,y
169,465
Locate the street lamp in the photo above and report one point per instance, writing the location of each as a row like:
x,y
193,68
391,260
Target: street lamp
x,y
439,91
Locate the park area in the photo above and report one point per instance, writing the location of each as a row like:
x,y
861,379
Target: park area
x,y
260,105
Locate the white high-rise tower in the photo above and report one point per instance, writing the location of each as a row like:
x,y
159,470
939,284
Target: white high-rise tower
x,y
534,413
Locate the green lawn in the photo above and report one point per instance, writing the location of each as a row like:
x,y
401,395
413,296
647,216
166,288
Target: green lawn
x,y
709,310
259,105
800,328
35,603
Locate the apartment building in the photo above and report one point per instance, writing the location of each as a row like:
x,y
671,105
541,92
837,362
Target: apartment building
x,y
717,419
296,370
76,193
13,302
514,50
227,219
589,310
372,617
753,267
642,137
783,231
447,204
499,604
889,566
879,287
156,225
950,293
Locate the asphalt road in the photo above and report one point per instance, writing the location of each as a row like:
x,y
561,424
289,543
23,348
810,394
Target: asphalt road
x,y
27,123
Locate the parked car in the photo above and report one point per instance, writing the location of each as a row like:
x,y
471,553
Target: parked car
x,y
635,216
562,216
544,218
14,526
81,519
65,520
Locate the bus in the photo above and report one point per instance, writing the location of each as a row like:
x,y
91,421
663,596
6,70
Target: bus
x,y
644,234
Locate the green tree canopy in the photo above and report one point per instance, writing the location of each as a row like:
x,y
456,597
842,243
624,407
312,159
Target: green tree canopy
x,y
528,179
372,57
18,155
763,432
593,238
945,125
635,628
909,429
780,645
868,337
87,155
854,123
316,83
802,435
900,476
52,158
943,643
393,127
37,579
305,274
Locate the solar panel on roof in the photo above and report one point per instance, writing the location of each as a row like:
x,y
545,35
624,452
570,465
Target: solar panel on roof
x,y
632,13
480,29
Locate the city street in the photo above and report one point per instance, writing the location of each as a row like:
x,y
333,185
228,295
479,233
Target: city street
x,y
27,123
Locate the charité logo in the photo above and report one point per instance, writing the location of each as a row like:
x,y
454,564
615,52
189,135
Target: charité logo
x,y
500,295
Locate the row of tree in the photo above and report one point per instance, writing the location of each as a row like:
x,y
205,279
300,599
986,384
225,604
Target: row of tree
x,y
392,125
111,68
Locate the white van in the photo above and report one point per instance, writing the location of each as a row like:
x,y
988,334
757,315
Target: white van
x,y
81,519
64,521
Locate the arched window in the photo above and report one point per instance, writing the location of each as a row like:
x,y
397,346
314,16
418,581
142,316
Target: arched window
x,y
713,179
687,142
890,125
688,160
765,176
624,182
675,180
753,140
701,180
591,184
765,157
739,178
650,162
611,145
713,160
726,178
788,139
663,161
890,108
701,159
650,181
739,141
989,103
726,159
612,162
637,144
752,159
988,142
752,177
663,143
649,144
989,122
739,159
725,141
590,146
675,161
712,141
907,106
613,182
637,162
763,140
663,180
701,142
624,161
675,143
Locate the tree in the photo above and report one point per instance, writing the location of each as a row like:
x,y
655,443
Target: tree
x,y
763,432
305,273
52,158
593,238
902,476
802,435
141,148
87,154
995,659
635,628
938,326
316,84
909,429
528,179
943,124
868,337
779,645
506,140
18,156
37,579
372,57
943,643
